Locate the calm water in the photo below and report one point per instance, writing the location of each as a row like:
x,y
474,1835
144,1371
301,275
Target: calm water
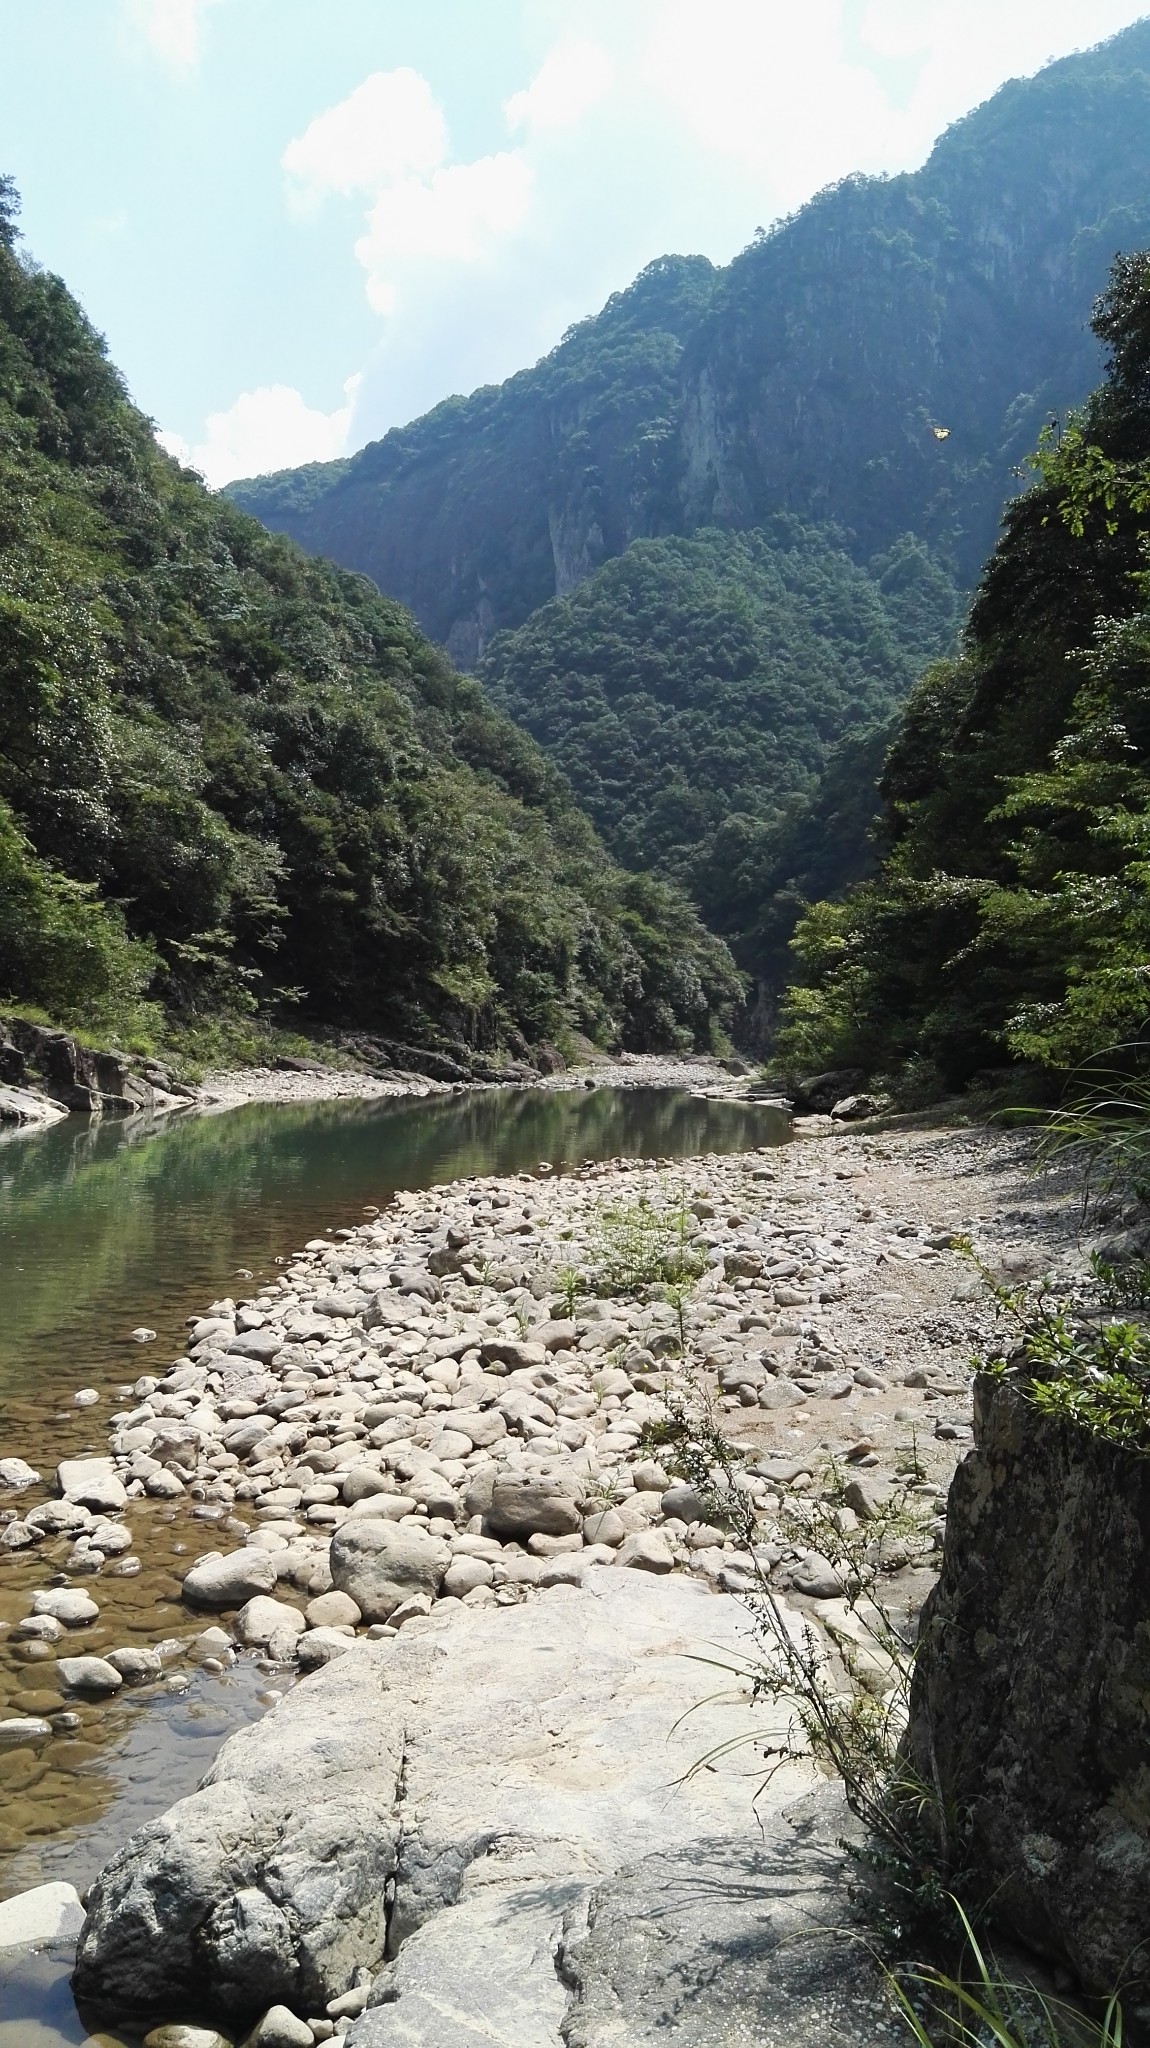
x,y
103,1228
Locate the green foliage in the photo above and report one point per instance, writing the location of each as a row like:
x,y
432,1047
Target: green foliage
x,y
1085,1369
1010,917
643,1244
64,950
981,2008
242,780
693,692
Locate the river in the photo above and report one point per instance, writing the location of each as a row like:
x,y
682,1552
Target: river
x,y
108,1227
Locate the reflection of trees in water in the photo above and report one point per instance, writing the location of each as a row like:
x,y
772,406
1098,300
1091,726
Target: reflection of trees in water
x,y
110,1220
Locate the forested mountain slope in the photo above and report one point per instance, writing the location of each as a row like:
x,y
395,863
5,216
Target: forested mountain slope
x,y
233,778
694,690
1011,914
807,377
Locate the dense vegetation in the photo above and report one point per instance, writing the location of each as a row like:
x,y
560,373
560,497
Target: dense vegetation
x,y
235,780
808,376
693,691
1011,915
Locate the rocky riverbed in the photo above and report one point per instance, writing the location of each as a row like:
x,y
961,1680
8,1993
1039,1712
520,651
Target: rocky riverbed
x,y
448,1408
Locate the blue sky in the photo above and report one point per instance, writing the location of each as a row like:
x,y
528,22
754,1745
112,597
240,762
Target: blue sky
x,y
300,222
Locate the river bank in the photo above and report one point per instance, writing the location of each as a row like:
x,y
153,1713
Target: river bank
x,y
427,1412
231,1087
46,1075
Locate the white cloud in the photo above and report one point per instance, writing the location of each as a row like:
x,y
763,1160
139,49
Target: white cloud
x,y
964,53
170,29
458,216
388,139
649,126
388,128
270,428
774,90
572,79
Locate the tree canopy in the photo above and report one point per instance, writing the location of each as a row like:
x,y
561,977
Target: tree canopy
x,y
234,778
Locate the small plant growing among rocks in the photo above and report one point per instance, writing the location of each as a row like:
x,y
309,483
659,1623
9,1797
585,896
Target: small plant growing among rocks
x,y
847,1703
642,1244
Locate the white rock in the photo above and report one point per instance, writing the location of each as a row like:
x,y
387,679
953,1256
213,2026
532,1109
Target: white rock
x,y
15,1474
88,1674
320,1645
554,1728
136,1664
465,1573
261,1619
645,1550
21,1729
51,1912
184,2037
43,1626
279,2028
230,1581
332,1610
67,1604
91,1482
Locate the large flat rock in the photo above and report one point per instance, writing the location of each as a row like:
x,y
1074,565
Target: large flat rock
x,y
501,1766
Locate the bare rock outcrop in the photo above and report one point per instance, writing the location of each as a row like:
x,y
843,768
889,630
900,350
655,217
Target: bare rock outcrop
x,y
1031,1701
506,1764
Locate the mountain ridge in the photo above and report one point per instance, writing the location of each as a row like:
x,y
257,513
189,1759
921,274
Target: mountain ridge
x,y
808,376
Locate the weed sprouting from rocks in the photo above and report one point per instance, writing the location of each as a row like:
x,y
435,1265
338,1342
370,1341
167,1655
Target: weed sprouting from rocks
x,y
641,1244
845,1687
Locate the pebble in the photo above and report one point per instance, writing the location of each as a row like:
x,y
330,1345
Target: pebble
x,y
185,2037
89,1674
280,2028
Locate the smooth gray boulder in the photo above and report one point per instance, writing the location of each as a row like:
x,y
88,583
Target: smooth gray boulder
x,y
552,1748
88,1674
534,1507
231,1580
268,1884
261,1619
718,1943
66,1604
280,2028
381,1564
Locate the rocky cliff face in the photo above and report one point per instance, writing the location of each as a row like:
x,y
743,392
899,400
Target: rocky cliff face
x,y
1031,1701
883,359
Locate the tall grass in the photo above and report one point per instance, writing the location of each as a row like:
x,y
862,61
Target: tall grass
x,y
983,2009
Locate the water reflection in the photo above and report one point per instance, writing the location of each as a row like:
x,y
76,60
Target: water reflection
x,y
103,1228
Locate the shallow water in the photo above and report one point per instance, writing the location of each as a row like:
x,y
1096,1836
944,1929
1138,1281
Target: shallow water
x,y
107,1227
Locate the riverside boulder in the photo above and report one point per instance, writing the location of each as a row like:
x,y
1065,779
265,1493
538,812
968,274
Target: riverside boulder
x,y
380,1564
231,1580
521,1506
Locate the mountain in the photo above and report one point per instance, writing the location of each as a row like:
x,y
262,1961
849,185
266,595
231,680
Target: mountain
x,y
238,783
1010,918
881,361
694,690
